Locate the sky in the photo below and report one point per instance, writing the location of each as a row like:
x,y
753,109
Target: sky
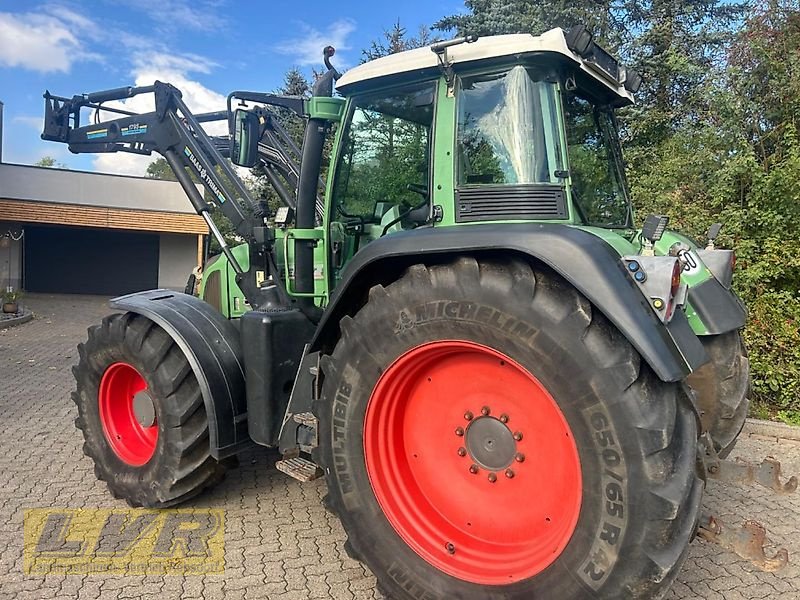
x,y
206,48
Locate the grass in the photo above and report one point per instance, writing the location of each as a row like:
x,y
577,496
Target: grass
x,y
761,410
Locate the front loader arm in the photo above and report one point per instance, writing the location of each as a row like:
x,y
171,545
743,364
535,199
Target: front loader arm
x,y
175,133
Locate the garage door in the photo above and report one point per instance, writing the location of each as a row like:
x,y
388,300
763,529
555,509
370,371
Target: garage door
x,y
75,260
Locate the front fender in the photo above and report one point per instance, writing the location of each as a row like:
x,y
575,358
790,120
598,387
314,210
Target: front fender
x,y
211,345
583,259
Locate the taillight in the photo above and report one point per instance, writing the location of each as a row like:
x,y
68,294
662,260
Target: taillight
x,y
677,269
676,277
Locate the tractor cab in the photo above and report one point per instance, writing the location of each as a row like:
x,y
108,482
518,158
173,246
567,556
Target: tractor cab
x,y
513,128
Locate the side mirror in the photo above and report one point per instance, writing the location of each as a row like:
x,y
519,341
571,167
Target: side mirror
x,y
246,133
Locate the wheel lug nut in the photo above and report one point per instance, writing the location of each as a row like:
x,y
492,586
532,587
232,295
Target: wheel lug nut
x,y
485,411
473,469
459,431
492,477
468,416
451,549
520,457
462,451
509,473
504,418
518,436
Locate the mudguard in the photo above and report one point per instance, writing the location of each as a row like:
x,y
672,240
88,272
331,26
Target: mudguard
x,y
584,260
718,307
211,345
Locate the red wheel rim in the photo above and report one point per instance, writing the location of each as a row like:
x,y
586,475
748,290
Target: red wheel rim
x,y
133,438
441,424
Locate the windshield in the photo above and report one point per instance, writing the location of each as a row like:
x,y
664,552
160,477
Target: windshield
x,y
595,164
508,129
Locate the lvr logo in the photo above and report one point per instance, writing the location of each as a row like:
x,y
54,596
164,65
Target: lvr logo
x,y
124,541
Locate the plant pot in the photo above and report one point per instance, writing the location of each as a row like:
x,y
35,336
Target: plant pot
x,y
10,307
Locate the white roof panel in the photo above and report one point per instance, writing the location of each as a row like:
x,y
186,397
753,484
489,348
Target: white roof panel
x,y
486,47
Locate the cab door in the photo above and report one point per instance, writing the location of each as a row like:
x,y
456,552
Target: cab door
x,y
382,170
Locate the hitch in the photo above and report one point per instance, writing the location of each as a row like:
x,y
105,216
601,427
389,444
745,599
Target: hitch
x,y
746,542
768,474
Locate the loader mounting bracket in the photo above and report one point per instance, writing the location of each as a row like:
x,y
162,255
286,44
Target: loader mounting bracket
x,y
747,542
767,474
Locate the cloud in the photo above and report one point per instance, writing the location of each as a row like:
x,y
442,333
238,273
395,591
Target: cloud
x,y
40,42
306,48
170,15
177,70
36,123
73,20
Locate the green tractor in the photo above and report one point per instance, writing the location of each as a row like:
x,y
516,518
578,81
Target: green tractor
x,y
510,389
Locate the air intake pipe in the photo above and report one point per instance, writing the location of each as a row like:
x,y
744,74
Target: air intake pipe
x,y
310,166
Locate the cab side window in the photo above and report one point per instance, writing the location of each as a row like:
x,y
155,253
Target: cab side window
x,y
385,149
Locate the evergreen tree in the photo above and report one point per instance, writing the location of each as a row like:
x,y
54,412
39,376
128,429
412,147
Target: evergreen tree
x,y
396,40
675,45
605,18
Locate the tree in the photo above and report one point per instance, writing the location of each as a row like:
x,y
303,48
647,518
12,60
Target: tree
x,y
160,169
676,45
738,162
605,18
50,163
396,40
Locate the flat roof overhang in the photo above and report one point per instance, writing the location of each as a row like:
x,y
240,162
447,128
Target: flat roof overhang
x,y
26,211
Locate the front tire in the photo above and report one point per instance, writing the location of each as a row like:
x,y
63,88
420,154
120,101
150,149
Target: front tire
x,y
142,414
604,504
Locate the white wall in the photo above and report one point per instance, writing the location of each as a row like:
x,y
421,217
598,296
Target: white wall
x,y
176,259
39,184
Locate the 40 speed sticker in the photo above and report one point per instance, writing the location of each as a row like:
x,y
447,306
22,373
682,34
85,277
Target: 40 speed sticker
x,y
614,485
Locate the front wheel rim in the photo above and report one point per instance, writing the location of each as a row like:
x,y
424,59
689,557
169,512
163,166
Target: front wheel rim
x,y
472,462
127,414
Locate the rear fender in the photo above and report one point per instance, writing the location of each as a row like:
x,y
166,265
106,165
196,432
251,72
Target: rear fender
x,y
584,260
211,345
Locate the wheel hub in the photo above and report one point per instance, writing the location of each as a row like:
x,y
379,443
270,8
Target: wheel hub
x,y
143,409
490,443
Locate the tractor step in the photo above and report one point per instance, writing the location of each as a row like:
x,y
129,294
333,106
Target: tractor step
x,y
299,468
746,541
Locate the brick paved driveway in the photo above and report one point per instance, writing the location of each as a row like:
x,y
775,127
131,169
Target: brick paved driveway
x,y
272,551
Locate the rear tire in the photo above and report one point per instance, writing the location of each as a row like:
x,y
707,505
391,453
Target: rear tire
x,y
636,441
165,461
722,389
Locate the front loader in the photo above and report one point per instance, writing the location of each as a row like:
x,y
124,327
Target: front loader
x,y
511,390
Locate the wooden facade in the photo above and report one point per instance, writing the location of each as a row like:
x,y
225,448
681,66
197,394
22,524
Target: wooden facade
x,y
97,216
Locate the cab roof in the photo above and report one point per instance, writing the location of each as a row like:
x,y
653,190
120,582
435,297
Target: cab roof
x,y
424,60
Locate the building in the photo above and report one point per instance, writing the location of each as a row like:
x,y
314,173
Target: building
x,y
76,232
